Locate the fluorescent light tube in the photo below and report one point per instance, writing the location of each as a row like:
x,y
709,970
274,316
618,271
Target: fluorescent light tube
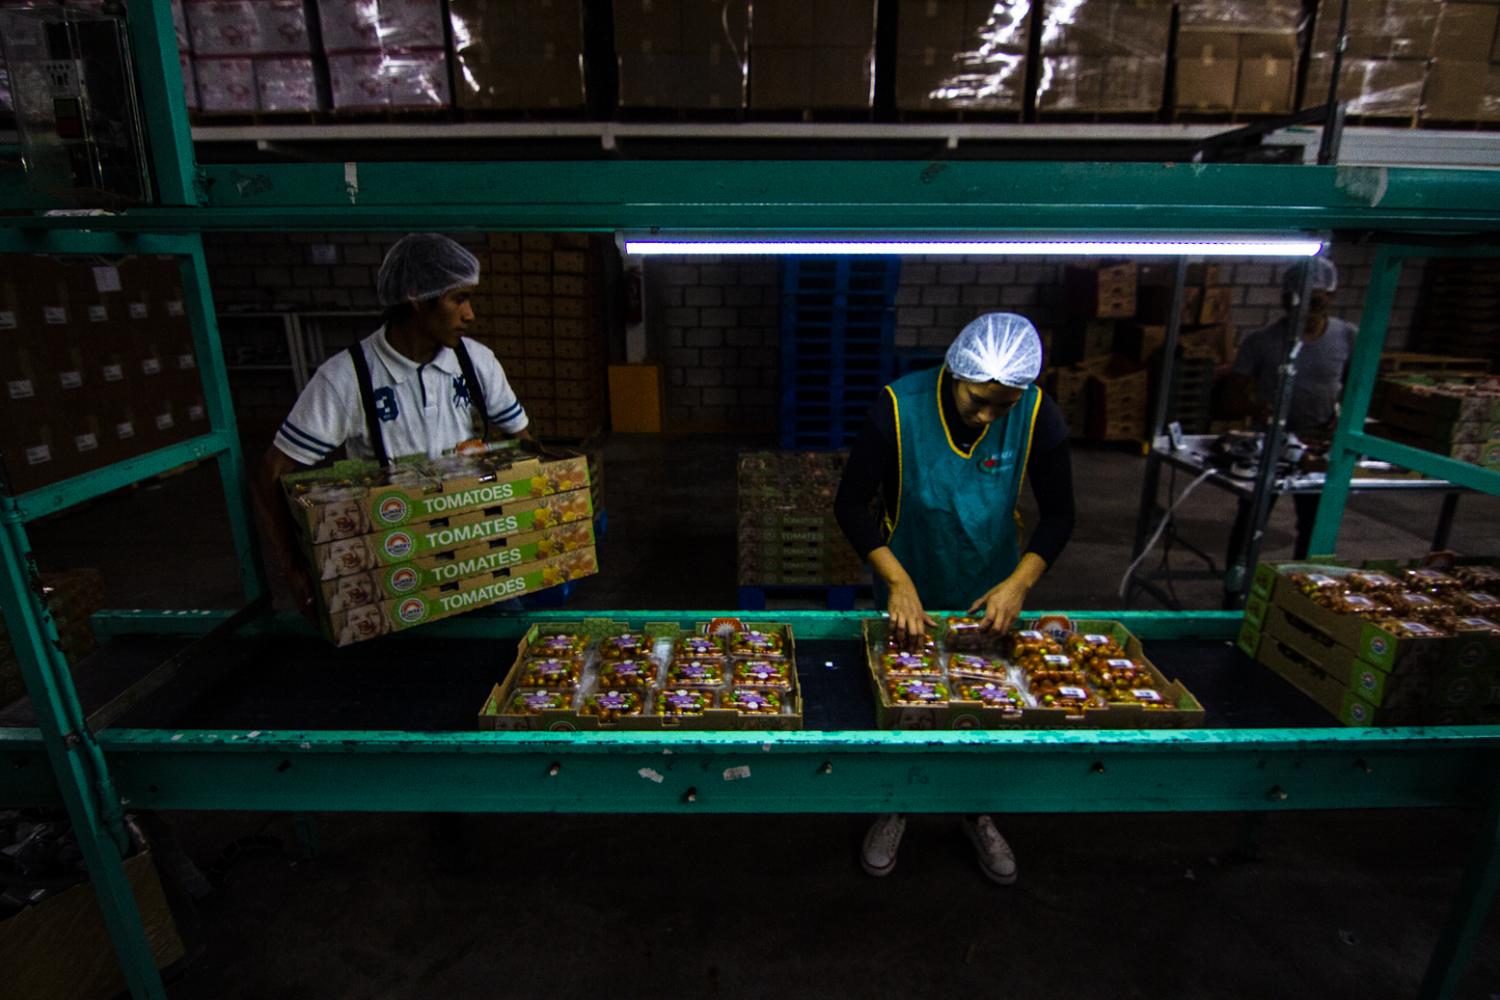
x,y
1139,247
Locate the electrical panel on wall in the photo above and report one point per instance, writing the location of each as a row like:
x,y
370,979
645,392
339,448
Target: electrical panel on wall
x,y
75,103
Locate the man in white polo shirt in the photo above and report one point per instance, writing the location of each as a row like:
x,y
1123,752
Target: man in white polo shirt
x,y
414,386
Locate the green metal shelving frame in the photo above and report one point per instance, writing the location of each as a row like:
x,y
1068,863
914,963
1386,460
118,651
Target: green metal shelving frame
x,y
98,776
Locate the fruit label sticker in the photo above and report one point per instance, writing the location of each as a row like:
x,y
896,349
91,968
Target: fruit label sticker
x,y
98,314
113,373
1072,692
1057,660
1144,694
1094,639
70,380
174,307
21,388
1419,630
106,279
1031,635
55,315
1321,580
137,310
86,442
186,362
151,366
125,430
195,413
1120,664
1358,603
7,319
164,421
38,455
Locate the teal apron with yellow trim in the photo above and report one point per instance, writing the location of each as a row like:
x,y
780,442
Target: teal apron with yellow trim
x,y
955,525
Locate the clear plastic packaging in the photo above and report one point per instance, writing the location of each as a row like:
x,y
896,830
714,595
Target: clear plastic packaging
x,y
699,646
964,633
612,705
695,672
627,673
910,664
1416,604
681,702
537,701
753,701
916,691
286,83
551,672
762,673
754,642
1092,646
1031,642
1406,628
1475,602
1479,577
1373,582
1114,678
1314,583
1103,55
1431,581
227,84
521,56
625,646
1070,693
1472,623
972,665
990,693
1364,605
560,644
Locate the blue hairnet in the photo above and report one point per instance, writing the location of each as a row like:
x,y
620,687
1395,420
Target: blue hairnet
x,y
423,266
1325,276
997,347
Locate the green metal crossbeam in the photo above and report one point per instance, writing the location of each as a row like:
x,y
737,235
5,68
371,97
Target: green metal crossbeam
x,y
742,195
35,239
1466,474
90,485
1016,771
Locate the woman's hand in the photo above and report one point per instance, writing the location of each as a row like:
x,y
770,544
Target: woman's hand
x,y
1001,604
909,622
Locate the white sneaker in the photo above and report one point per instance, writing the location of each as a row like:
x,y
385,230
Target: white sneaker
x,y
881,842
995,855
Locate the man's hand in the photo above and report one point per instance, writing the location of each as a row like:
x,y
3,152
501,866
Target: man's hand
x,y
909,622
1001,604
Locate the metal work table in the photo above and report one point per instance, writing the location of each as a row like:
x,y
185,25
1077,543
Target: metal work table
x,y
1197,455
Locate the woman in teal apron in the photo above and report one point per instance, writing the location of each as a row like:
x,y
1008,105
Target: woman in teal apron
x,y
948,451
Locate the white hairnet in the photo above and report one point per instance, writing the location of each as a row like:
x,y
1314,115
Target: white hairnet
x,y
997,347
423,266
1325,276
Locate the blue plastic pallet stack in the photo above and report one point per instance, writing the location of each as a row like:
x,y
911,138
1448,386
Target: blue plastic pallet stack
x,y
838,320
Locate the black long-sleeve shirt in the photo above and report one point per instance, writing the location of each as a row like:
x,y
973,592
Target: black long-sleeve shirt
x,y
874,468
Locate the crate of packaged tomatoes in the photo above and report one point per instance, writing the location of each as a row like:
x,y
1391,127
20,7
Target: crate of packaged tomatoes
x,y
601,674
1049,673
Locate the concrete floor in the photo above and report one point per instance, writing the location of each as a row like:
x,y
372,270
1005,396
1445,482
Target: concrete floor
x,y
1341,904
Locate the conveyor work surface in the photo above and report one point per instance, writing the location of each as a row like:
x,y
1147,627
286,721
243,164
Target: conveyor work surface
x,y
288,683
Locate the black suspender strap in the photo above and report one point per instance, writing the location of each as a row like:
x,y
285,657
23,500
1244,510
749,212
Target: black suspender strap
x,y
367,401
476,391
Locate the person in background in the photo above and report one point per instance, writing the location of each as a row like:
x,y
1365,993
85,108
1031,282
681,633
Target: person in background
x,y
1322,355
946,452
416,385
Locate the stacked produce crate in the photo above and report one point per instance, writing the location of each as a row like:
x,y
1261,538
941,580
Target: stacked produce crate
x,y
605,675
518,56
962,55
538,308
1382,646
72,596
1455,417
1237,57
683,55
1103,56
1102,394
98,365
394,548
1463,78
788,535
1052,673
